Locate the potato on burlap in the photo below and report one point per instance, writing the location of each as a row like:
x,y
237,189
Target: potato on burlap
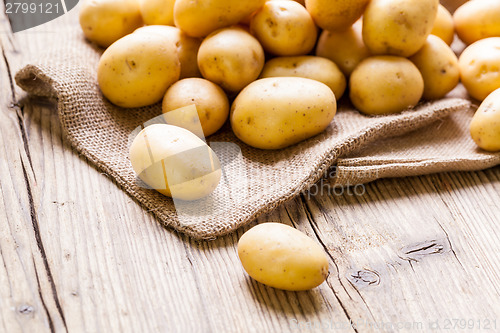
x,y
105,21
284,28
310,67
278,112
231,57
137,70
438,65
398,27
485,125
385,84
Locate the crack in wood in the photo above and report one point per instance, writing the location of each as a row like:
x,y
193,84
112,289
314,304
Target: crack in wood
x,y
41,248
51,322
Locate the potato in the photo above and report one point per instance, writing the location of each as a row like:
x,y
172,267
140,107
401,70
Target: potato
x,y
480,67
444,26
385,84
105,21
398,27
200,18
438,65
345,48
475,20
485,125
157,11
137,70
231,58
187,47
310,67
284,28
275,113
175,162
212,106
336,15
282,257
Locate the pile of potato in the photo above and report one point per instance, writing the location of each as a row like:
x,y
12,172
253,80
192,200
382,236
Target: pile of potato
x,y
284,64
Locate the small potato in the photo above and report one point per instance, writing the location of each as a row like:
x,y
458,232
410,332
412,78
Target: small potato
x,y
345,48
284,28
200,18
278,112
336,15
187,47
105,21
211,103
485,125
438,65
385,84
310,67
444,26
137,70
282,257
175,162
475,20
480,67
157,11
398,27
231,58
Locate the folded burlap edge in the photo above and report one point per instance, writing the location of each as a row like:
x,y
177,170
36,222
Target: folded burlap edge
x,y
37,80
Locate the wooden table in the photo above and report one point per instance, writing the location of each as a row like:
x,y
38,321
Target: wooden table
x,y
78,255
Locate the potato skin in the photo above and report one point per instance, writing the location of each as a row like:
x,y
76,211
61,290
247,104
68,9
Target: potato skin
x,y
137,70
345,48
335,15
211,103
444,26
480,67
275,113
310,67
231,57
105,21
475,20
284,28
485,125
385,84
157,11
398,27
438,65
282,257
175,162
200,18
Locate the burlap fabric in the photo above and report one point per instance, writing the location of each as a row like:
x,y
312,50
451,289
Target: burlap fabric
x,y
432,137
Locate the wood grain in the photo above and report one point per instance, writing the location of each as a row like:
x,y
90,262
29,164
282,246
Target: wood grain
x,y
78,255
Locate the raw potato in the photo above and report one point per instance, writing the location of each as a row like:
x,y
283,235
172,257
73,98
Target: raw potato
x,y
212,106
475,20
310,67
187,47
345,48
137,70
336,15
275,113
284,28
105,21
438,65
444,26
398,27
200,18
480,67
282,257
157,11
175,162
485,125
385,84
231,58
